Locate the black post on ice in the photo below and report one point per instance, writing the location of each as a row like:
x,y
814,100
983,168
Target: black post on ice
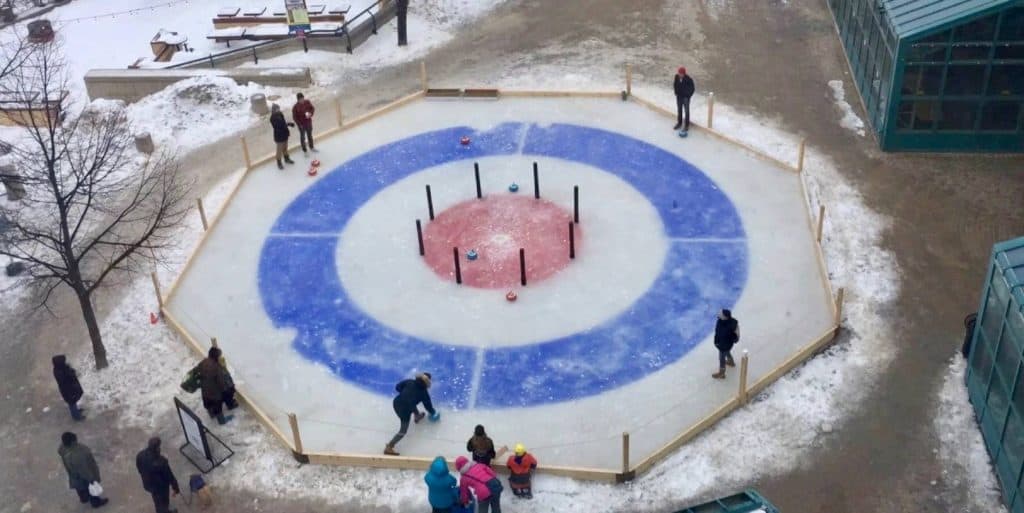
x,y
458,269
536,182
430,204
419,235
476,171
522,266
575,203
572,241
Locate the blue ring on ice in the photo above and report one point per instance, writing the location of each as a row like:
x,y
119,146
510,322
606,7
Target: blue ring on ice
x,y
705,269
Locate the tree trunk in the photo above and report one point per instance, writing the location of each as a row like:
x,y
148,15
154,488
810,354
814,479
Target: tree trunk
x,y
98,351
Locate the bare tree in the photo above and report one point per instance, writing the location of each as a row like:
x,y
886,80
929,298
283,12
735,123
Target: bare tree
x,y
93,205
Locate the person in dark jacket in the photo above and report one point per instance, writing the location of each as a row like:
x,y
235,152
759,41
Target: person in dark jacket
x,y
683,86
157,477
67,383
302,115
442,488
281,133
213,385
727,334
480,446
411,392
229,384
401,11
81,468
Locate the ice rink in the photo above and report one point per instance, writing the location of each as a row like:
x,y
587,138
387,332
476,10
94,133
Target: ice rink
x,y
316,290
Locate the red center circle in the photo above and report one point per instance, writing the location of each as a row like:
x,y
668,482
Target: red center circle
x,y
496,227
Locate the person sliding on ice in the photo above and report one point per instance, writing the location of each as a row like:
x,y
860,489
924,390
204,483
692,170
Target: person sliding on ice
x,y
480,446
411,392
281,134
67,383
727,334
302,115
684,87
211,380
521,465
484,483
442,488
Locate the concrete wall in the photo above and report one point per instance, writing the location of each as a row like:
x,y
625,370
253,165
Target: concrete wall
x,y
132,85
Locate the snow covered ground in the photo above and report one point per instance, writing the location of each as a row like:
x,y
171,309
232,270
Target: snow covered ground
x,y
849,120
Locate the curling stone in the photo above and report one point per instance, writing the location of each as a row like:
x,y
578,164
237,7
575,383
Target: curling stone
x,y
513,187
511,296
471,254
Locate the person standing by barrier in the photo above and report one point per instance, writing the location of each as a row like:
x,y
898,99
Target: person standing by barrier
x,y
442,488
302,115
727,334
83,473
411,392
211,380
484,483
683,87
521,466
157,477
480,446
67,383
281,133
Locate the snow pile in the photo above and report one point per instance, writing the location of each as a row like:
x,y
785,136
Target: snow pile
x,y
850,120
962,449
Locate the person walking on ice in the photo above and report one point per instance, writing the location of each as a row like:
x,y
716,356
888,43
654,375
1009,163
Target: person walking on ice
x,y
67,383
727,334
521,466
281,133
302,115
683,86
411,392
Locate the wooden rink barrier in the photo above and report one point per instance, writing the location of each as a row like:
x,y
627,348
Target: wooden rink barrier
x,y
292,440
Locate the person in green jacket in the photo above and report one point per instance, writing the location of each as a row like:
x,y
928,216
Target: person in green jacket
x,y
81,467
441,486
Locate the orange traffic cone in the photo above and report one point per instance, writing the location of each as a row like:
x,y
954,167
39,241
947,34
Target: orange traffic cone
x,y
153,319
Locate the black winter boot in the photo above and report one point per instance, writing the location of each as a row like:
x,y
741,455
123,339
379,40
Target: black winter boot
x,y
279,164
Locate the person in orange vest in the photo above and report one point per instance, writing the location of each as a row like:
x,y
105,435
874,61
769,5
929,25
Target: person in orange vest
x,y
521,464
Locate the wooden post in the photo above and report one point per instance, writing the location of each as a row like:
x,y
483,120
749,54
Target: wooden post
x,y
294,421
423,75
742,395
337,111
625,452
213,342
156,287
202,214
800,156
840,297
245,154
821,222
711,110
629,79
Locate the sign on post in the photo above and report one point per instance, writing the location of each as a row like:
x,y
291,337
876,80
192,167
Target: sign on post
x,y
298,17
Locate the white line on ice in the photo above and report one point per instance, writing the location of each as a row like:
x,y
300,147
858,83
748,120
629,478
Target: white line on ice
x,y
701,240
478,370
522,137
307,235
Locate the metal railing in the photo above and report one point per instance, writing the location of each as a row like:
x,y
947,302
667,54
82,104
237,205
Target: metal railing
x,y
343,31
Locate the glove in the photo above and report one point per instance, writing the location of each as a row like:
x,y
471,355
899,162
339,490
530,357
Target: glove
x,y
436,416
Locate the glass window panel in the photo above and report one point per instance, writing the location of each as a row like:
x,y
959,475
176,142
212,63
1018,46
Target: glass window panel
x,y
1018,396
998,403
1012,28
1007,360
925,113
1015,325
1009,51
922,80
977,30
965,79
958,115
1002,290
927,52
1000,115
905,117
971,52
993,318
1006,79
1013,442
941,37
981,362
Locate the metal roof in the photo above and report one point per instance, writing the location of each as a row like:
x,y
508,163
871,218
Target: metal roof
x,y
1009,261
913,17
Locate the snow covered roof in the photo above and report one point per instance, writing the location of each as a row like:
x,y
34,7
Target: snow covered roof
x,y
915,17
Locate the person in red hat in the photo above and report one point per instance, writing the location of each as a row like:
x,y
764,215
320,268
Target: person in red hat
x,y
684,88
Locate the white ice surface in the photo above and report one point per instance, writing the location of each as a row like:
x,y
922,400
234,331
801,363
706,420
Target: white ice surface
x,y
782,308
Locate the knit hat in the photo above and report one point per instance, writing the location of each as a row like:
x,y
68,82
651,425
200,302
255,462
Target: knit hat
x,y
462,464
520,449
682,70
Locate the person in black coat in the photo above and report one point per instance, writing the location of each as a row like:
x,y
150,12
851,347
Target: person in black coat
x,y
401,9
67,383
411,392
683,86
157,477
281,134
727,334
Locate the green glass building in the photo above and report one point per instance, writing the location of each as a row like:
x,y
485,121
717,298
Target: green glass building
x,y
938,75
995,379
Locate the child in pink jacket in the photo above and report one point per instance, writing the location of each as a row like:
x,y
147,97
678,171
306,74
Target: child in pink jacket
x,y
484,483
